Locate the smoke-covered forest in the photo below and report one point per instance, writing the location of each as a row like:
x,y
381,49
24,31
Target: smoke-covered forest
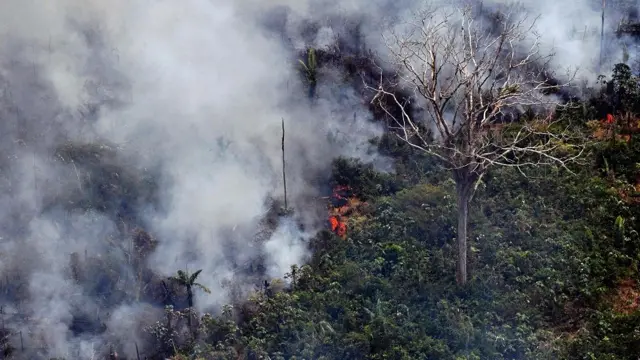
x,y
319,179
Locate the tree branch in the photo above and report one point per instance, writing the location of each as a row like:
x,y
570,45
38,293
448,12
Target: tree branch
x,y
471,84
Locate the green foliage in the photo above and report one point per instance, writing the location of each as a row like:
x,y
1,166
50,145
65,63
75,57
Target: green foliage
x,y
619,94
183,278
432,210
620,158
310,71
364,181
548,255
310,68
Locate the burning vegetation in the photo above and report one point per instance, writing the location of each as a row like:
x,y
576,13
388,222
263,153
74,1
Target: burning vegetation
x,y
620,130
342,205
275,320
620,127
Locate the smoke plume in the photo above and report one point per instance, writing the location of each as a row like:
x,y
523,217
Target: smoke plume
x,y
166,116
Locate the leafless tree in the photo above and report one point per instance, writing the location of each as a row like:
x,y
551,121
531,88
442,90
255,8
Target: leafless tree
x,y
470,82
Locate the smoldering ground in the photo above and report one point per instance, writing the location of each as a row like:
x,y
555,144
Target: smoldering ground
x,y
167,116
148,114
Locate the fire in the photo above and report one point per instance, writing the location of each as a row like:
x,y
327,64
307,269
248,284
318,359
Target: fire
x,y
621,126
610,119
341,205
334,222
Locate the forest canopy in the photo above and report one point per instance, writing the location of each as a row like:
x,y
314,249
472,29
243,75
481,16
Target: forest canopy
x,y
260,181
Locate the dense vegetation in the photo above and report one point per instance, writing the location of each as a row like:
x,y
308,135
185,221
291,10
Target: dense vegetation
x,y
553,254
553,265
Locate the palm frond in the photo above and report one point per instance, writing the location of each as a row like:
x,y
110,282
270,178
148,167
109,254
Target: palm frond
x,y
194,276
202,287
181,278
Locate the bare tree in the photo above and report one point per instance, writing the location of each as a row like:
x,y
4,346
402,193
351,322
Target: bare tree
x,y
470,82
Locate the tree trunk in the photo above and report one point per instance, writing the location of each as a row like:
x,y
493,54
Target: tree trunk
x,y
464,197
190,296
190,300
312,90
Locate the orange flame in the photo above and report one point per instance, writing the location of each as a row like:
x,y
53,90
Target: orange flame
x,y
334,223
341,205
628,125
610,119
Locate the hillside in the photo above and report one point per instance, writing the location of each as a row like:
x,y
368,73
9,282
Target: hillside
x,y
554,266
262,180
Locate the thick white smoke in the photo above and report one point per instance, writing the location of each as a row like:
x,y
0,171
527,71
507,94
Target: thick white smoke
x,y
196,90
201,91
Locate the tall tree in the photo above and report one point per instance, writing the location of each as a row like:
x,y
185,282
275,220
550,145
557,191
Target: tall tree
x,y
621,92
471,75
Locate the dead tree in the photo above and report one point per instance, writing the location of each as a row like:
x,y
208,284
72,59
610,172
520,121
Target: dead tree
x,y
284,172
468,78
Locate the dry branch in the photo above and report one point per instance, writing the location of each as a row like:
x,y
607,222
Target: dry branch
x,y
472,78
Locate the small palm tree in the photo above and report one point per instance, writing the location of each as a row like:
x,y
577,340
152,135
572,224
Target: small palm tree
x,y
310,68
187,280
